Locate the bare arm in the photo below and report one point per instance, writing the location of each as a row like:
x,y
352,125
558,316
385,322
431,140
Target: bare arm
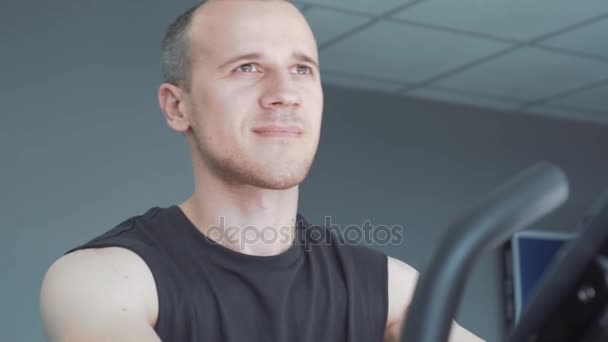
x,y
105,294
402,280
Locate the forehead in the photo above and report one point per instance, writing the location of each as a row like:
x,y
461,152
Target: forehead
x,y
223,28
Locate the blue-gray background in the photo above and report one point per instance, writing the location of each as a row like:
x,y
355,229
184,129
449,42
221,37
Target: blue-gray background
x,y
83,146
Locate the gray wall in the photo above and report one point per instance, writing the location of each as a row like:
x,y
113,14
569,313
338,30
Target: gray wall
x,y
84,146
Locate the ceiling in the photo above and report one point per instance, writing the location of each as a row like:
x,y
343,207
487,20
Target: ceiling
x,y
541,57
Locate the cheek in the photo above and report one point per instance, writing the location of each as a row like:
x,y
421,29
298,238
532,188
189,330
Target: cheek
x,y
220,113
316,108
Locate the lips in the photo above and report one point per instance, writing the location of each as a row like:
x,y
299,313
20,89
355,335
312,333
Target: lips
x,y
278,131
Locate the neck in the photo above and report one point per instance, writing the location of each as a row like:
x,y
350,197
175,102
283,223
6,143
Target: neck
x,y
244,218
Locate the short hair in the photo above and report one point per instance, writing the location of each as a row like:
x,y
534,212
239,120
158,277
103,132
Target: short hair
x,y
175,49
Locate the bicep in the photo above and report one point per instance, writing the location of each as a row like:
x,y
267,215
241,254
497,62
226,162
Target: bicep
x,y
402,279
97,295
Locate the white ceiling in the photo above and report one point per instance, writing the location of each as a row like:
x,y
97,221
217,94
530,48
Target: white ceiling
x,y
546,57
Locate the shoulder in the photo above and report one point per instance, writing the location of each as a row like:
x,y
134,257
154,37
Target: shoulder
x,y
402,279
400,272
97,284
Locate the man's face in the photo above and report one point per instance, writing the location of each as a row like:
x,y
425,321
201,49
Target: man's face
x,y
236,103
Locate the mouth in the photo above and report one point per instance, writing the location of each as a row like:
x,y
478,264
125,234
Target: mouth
x,y
278,131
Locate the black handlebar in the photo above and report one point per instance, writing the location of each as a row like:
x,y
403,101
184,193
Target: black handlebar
x,y
526,198
570,303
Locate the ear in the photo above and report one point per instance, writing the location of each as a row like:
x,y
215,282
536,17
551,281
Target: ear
x,y
173,102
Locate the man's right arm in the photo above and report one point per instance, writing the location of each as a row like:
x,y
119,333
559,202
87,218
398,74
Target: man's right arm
x,y
103,294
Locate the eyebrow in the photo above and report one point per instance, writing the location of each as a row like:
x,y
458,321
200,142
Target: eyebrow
x,y
300,56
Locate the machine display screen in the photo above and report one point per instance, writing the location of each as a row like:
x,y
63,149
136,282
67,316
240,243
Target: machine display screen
x,y
532,252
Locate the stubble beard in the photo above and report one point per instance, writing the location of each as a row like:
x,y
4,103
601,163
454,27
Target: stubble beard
x,y
235,168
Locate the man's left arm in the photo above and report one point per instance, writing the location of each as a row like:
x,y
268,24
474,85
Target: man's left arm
x,y
402,279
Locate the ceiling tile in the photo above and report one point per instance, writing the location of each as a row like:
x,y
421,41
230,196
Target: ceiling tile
x,y
366,6
327,24
571,114
594,99
347,81
518,19
404,53
444,95
528,74
591,39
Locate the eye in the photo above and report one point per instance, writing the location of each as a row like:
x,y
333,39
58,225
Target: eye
x,y
248,67
303,69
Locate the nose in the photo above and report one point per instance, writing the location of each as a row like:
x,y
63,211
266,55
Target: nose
x,y
280,92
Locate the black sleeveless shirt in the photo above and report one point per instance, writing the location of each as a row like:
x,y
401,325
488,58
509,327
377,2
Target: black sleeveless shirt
x,y
320,289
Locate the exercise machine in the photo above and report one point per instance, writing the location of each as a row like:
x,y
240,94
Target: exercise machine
x,y
571,301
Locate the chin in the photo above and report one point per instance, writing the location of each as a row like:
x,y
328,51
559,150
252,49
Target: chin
x,y
279,178
276,182
283,185
266,172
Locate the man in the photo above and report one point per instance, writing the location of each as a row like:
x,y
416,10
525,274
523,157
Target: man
x,y
242,84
